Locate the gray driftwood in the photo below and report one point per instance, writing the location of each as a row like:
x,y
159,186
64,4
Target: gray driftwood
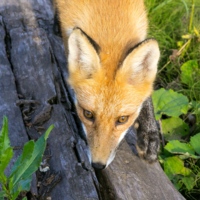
x,y
32,76
128,177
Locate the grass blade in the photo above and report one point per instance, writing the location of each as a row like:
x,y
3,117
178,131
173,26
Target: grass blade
x,y
25,157
186,7
4,139
48,131
5,159
32,164
161,5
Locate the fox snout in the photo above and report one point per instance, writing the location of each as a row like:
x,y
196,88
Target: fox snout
x,y
98,166
102,143
101,157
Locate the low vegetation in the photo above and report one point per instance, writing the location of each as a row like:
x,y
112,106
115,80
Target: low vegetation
x,y
21,173
176,26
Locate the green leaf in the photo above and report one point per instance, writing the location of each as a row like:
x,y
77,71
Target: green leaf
x,y
16,193
23,184
10,183
195,142
178,185
25,198
26,184
169,102
190,73
48,131
164,154
174,165
5,159
24,158
3,179
28,150
177,147
187,155
32,164
177,182
160,158
174,128
4,139
2,194
4,187
189,182
16,166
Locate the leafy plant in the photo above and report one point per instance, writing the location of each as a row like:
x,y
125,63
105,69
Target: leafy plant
x,y
175,154
176,130
175,24
174,162
190,77
172,104
169,102
21,173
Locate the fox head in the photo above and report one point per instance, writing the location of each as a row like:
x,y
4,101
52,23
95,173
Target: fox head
x,y
109,98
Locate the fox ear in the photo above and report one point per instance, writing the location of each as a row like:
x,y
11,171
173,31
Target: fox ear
x,y
141,64
83,59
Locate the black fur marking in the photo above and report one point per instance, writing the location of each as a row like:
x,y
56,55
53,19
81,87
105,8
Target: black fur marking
x,y
137,45
92,42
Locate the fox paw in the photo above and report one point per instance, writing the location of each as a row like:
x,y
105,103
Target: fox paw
x,y
148,146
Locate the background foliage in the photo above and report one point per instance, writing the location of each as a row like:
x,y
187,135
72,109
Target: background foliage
x,y
21,173
176,26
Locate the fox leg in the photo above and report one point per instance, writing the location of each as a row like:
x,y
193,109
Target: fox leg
x,y
148,141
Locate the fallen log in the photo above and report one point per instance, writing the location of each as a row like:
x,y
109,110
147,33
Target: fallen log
x,y
129,177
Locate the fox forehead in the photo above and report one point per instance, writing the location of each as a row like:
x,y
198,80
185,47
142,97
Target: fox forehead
x,y
109,98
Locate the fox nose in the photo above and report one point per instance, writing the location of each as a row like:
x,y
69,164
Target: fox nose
x,y
98,166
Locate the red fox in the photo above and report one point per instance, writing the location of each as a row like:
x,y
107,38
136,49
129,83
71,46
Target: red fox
x,y
112,68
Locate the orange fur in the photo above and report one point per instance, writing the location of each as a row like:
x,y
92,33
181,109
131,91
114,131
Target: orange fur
x,y
109,84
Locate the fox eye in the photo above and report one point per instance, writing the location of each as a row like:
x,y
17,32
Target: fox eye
x,y
122,120
88,115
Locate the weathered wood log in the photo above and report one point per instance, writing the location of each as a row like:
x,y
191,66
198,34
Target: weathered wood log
x,y
33,64
32,74
8,97
129,177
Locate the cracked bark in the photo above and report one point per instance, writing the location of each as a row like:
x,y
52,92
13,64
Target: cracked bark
x,y
33,68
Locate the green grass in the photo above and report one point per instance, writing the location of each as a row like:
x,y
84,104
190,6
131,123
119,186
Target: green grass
x,y
170,23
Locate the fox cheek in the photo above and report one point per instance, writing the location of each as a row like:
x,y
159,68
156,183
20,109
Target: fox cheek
x,y
84,129
122,136
111,158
